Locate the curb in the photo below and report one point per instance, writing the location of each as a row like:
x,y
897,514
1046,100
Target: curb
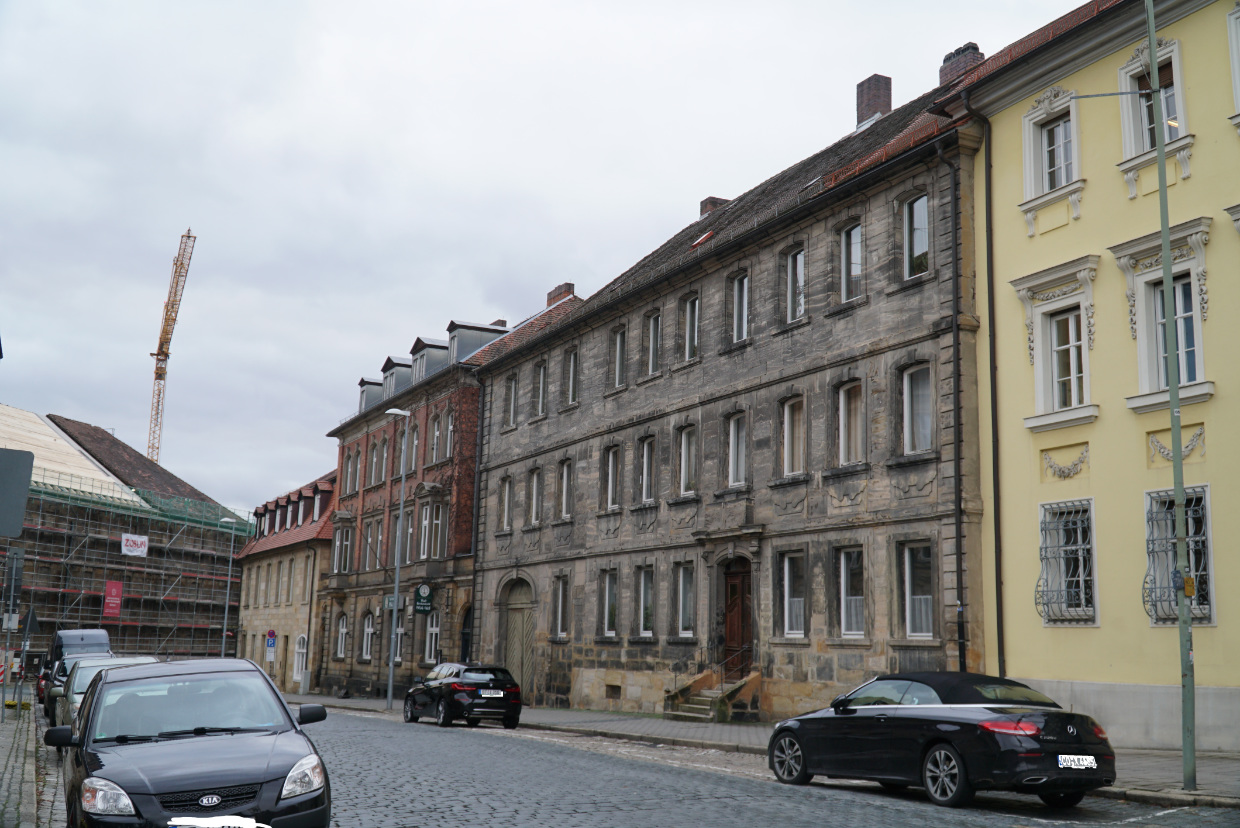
x,y
1170,799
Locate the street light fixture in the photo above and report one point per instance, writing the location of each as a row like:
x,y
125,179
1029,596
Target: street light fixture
x,y
232,538
400,514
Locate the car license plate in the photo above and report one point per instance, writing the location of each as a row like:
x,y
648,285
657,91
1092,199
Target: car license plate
x,y
490,693
1075,761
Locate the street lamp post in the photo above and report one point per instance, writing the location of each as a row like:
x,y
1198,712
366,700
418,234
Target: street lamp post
x,y
400,534
232,538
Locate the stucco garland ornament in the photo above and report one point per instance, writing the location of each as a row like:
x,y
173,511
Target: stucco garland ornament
x,y
1069,471
1198,439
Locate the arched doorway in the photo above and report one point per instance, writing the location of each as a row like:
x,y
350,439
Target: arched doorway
x,y
517,635
737,619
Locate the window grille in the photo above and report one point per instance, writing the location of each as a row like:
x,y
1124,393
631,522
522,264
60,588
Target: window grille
x,y
1065,590
1159,592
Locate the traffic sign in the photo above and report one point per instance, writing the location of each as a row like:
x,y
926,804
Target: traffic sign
x,y
271,645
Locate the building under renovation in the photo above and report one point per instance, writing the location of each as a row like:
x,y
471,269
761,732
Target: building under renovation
x,y
113,540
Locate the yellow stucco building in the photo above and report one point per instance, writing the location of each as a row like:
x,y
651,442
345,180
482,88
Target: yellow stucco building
x,y
1078,533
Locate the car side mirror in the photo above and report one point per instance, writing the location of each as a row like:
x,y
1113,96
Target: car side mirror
x,y
59,737
311,713
57,692
840,705
419,680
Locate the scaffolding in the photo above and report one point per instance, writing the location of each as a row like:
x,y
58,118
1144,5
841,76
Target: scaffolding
x,y
172,600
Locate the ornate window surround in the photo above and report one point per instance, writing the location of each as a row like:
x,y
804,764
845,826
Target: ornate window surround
x,y
1136,157
1140,260
1048,106
1233,37
1044,294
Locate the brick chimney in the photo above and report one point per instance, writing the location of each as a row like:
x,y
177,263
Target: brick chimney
x,y
958,62
560,292
873,97
712,203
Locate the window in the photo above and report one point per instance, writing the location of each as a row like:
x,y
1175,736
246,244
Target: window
x,y
540,389
918,591
1137,112
852,593
740,308
1185,331
1166,92
688,460
299,658
1233,38
447,446
916,237
1050,140
852,424
381,471
1159,592
398,646
357,470
342,550
917,410
645,601
372,468
288,590
418,369
430,653
690,314
368,635
534,495
646,482
1065,589
610,602
413,449
411,523
617,357
794,594
654,340
267,584
736,451
510,401
308,583
439,530
850,266
1057,153
1067,360
793,443
686,600
400,452
432,539
794,285
566,489
342,635
279,580
435,440
505,504
561,607
570,377
424,535
373,544
611,482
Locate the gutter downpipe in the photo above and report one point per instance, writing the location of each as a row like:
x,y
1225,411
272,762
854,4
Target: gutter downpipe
x,y
305,670
474,602
1000,650
962,650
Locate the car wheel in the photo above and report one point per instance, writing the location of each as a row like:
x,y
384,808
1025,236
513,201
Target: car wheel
x,y
511,722
945,778
1067,799
409,717
788,760
442,718
472,721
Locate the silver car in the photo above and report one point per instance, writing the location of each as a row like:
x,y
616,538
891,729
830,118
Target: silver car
x,y
68,696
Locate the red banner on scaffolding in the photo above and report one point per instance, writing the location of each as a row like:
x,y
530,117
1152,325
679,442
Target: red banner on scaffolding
x,y
112,599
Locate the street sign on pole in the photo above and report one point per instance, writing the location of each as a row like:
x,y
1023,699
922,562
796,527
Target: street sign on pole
x,y
271,645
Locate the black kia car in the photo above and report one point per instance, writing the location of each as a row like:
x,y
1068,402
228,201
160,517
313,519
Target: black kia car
x,y
472,692
200,738
951,733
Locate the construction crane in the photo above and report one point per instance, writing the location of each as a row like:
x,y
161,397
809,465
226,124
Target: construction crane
x,y
180,270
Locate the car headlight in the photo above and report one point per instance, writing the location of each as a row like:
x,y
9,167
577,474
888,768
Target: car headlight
x,y
99,796
306,776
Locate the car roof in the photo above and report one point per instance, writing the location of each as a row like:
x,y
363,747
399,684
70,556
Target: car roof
x,y
955,687
188,667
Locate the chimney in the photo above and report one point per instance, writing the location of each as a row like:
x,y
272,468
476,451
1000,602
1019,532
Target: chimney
x,y
712,203
500,323
873,97
958,62
560,292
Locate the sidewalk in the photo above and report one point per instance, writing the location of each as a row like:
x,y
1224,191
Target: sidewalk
x,y
1151,776
17,751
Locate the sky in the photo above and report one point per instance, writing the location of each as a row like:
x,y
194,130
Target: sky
x,y
359,174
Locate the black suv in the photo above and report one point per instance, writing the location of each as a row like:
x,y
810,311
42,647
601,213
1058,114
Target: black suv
x,y
472,692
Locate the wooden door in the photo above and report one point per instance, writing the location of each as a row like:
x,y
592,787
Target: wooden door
x,y
737,621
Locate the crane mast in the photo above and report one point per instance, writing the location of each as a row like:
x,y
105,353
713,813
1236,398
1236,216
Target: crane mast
x,y
180,270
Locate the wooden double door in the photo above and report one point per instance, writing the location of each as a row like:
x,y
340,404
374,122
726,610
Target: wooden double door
x,y
737,619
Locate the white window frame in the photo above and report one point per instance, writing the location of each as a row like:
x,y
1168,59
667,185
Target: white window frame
x,y
1052,106
342,636
794,279
1233,41
791,611
561,607
300,651
618,344
613,477
645,601
424,532
510,415
533,511
843,556
693,315
910,612
540,389
572,377
413,450
1134,132
399,650
909,210
792,442
688,460
654,337
439,522
368,635
566,489
647,471
850,259
435,443
686,599
505,506
911,414
737,447
431,647
611,603
740,307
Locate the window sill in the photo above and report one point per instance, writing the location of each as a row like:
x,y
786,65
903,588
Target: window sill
x,y
911,283
504,429
846,471
684,500
860,642
733,347
682,639
915,643
619,389
791,480
847,307
1198,392
643,639
688,363
564,521
790,641
1180,148
649,378
570,407
503,533
536,419
1081,415
733,492
1071,191
609,511
913,459
786,327
611,638
531,527
440,463
558,639
651,506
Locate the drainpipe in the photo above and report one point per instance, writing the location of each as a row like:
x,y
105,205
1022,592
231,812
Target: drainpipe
x,y
475,603
994,385
314,563
958,496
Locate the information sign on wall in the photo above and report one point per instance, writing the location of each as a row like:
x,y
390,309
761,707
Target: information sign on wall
x,y
112,592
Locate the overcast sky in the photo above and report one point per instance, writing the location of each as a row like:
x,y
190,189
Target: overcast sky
x,y
360,173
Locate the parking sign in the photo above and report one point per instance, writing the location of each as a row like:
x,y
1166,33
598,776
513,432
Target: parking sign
x,y
271,645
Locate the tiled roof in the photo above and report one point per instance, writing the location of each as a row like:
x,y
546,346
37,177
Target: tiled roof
x,y
132,468
538,323
320,529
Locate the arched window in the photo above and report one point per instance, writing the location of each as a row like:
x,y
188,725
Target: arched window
x,y
381,471
299,658
431,652
413,450
342,635
368,634
348,472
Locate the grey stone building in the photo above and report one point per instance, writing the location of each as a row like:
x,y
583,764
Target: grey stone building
x,y
738,465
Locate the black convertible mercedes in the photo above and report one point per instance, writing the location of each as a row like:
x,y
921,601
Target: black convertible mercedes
x,y
951,733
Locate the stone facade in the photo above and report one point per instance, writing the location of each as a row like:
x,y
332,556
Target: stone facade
x,y
640,531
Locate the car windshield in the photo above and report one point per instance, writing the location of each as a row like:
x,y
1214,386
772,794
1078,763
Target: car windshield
x,y
1012,693
86,670
487,674
78,649
184,704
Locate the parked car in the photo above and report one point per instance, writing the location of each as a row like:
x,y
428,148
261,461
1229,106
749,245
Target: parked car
x,y
951,733
68,697
56,679
94,642
472,692
201,738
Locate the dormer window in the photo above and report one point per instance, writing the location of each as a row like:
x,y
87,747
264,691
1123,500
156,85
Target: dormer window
x,y
419,367
389,384
452,348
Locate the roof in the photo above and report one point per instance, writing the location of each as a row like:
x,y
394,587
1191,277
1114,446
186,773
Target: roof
x,y
955,687
422,343
473,326
131,467
320,529
525,331
392,361
364,381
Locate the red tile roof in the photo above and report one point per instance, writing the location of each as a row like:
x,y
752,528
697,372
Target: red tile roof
x,y
524,332
320,529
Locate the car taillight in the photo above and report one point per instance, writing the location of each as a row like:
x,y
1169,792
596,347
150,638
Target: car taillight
x,y
1011,728
1099,732
460,688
